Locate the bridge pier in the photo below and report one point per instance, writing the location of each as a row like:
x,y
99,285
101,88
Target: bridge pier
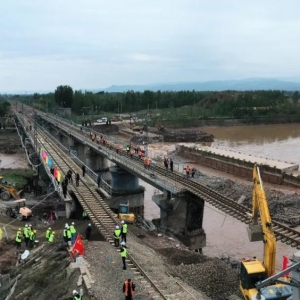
x,y
125,189
182,217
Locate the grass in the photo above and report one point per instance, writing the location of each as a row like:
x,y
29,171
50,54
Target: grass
x,y
17,177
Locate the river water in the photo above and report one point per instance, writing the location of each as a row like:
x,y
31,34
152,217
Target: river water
x,y
278,141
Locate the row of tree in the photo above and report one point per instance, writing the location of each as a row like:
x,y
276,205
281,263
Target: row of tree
x,y
227,103
4,107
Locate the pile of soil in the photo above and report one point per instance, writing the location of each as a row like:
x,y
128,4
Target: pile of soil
x,y
107,128
283,206
45,275
186,135
7,256
213,277
216,278
10,142
177,256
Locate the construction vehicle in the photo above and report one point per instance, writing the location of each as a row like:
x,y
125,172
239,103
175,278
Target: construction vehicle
x,y
160,127
20,211
8,191
138,128
125,215
253,271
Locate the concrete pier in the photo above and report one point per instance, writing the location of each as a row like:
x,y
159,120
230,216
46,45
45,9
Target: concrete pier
x,y
182,217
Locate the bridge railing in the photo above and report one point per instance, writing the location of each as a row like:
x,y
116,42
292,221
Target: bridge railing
x,y
80,163
30,134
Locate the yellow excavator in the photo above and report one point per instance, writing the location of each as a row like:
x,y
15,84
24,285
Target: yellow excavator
x,y
8,191
254,274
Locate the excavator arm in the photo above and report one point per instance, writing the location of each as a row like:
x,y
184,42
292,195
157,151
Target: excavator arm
x,y
264,230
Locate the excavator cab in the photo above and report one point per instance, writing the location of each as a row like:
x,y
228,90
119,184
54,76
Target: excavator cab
x,y
124,214
252,271
7,191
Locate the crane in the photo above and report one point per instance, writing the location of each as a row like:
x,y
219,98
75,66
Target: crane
x,y
252,269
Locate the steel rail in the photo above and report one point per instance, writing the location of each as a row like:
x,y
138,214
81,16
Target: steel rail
x,y
99,212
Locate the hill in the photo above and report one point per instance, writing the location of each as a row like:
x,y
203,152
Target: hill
x,y
238,85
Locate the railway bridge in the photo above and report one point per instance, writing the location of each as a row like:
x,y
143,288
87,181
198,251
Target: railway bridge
x,y
181,208
187,211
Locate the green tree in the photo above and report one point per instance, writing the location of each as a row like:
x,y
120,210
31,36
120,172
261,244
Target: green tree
x,y
64,96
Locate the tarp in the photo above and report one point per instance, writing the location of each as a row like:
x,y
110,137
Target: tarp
x,y
50,162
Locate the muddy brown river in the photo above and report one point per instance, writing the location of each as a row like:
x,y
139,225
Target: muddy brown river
x,y
279,141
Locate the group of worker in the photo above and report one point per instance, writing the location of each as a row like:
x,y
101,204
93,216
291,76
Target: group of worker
x,y
28,234
121,233
69,234
50,235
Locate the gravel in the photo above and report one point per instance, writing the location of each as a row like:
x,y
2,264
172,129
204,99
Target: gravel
x,y
214,277
107,270
284,205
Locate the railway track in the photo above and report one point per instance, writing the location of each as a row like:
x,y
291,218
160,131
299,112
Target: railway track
x,y
163,286
283,232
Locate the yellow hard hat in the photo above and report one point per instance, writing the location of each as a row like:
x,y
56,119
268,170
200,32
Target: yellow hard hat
x,y
20,229
53,232
34,231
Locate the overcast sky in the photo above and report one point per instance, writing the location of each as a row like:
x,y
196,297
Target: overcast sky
x,y
94,43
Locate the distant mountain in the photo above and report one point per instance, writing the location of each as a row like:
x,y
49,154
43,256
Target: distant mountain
x,y
238,85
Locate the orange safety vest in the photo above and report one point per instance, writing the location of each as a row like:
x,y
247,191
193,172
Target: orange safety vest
x,y
126,288
149,161
143,153
187,169
131,151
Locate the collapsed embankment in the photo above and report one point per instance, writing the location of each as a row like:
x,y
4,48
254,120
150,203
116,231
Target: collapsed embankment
x,y
44,275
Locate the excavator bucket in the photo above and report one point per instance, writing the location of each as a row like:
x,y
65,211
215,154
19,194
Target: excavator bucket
x,y
255,233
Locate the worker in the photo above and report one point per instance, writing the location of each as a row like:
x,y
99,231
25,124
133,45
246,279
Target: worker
x,y
26,234
25,230
166,164
98,180
187,170
77,178
145,162
88,232
19,238
76,295
64,189
193,172
123,231
73,232
65,234
48,233
84,215
128,289
123,253
117,234
69,235
32,238
83,170
131,153
51,237
171,164
127,149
